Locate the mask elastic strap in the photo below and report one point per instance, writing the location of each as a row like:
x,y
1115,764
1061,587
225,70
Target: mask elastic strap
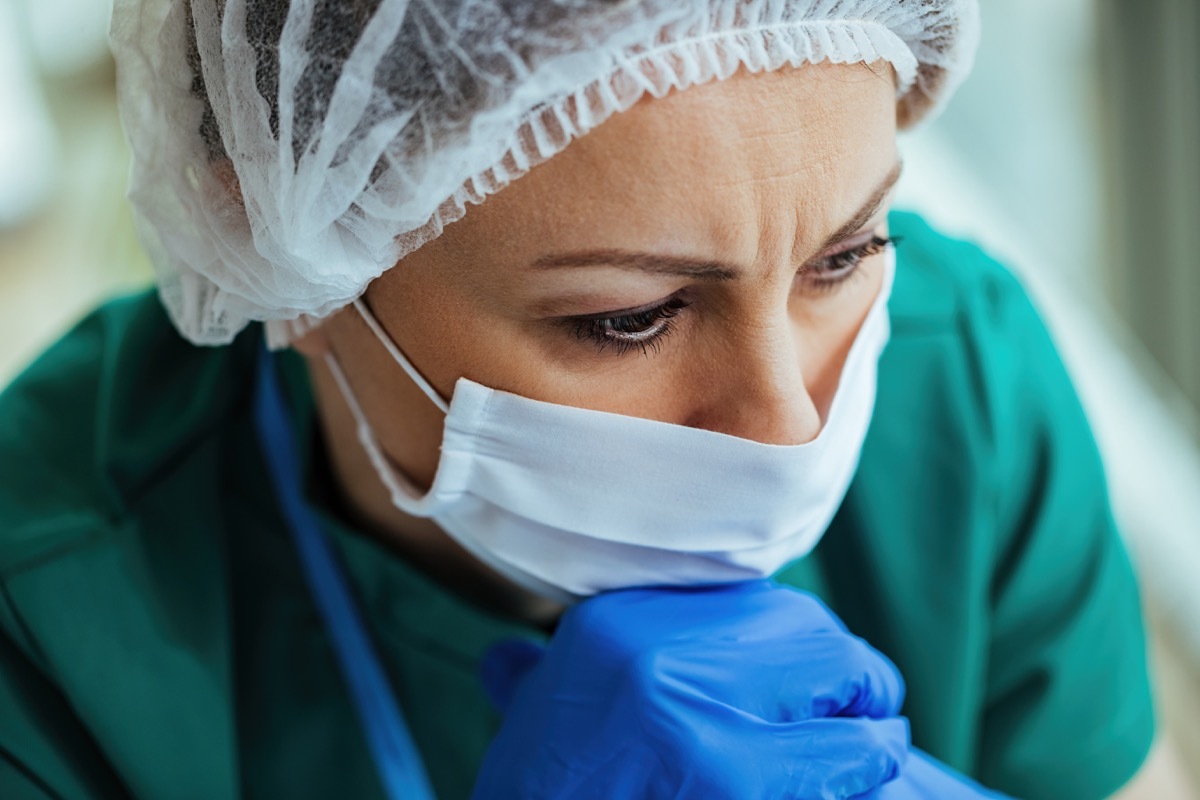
x,y
404,493
399,357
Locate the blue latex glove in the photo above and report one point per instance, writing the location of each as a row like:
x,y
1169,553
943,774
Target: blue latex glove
x,y
745,690
923,778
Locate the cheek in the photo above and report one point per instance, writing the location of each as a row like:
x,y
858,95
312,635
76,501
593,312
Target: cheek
x,y
828,330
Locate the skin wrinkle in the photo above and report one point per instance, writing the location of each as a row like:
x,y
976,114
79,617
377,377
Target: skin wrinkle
x,y
754,172
706,269
702,269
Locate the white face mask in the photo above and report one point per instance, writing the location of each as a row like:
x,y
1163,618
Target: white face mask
x,y
568,502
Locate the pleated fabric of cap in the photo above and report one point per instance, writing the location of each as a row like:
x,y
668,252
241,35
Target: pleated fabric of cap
x,y
288,152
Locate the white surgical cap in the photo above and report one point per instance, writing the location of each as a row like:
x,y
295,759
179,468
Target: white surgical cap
x,y
287,152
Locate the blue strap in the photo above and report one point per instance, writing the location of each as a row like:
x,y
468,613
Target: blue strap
x,y
396,757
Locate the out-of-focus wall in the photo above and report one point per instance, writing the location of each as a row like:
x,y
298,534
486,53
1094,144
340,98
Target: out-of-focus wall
x,y
1027,125
66,235
1151,78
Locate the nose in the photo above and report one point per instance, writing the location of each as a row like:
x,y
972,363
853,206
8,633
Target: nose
x,y
757,390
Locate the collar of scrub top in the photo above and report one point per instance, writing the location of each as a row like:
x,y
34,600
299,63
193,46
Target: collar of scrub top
x,y
397,760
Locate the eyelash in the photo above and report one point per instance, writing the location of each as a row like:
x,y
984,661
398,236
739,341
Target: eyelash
x,y
646,329
834,270
642,329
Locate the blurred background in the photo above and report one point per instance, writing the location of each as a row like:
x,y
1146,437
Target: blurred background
x,y
1072,154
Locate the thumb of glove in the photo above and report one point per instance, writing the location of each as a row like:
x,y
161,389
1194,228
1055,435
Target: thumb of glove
x,y
504,667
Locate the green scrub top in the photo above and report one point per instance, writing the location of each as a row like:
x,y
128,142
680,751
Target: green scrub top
x,y
157,638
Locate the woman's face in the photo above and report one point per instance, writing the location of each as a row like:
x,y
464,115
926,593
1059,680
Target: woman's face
x,y
704,259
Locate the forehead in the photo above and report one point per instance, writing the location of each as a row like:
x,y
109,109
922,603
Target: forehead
x,y
781,154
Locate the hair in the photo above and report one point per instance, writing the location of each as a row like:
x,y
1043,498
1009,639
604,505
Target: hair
x,y
407,71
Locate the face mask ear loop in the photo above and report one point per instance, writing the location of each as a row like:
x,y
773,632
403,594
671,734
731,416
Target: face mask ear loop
x,y
403,493
399,357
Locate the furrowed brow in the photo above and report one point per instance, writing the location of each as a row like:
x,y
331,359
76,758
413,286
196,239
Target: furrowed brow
x,y
704,269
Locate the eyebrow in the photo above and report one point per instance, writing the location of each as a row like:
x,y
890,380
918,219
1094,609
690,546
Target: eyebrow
x,y
702,268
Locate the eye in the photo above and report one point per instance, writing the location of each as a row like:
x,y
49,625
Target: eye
x,y
829,272
642,328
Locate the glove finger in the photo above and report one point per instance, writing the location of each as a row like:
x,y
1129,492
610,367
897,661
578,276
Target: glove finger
x,y
836,758
504,666
845,676
821,675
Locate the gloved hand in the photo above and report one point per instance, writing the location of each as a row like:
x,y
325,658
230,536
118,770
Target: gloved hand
x,y
745,690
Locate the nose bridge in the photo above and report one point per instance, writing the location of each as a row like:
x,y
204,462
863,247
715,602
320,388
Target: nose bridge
x,y
758,388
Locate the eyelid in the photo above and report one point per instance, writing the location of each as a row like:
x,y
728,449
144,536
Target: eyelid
x,y
604,335
866,232
852,242
624,312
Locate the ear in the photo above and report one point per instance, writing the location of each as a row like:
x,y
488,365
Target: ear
x,y
314,344
319,334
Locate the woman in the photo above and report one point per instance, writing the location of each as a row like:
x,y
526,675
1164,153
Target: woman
x,y
650,353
